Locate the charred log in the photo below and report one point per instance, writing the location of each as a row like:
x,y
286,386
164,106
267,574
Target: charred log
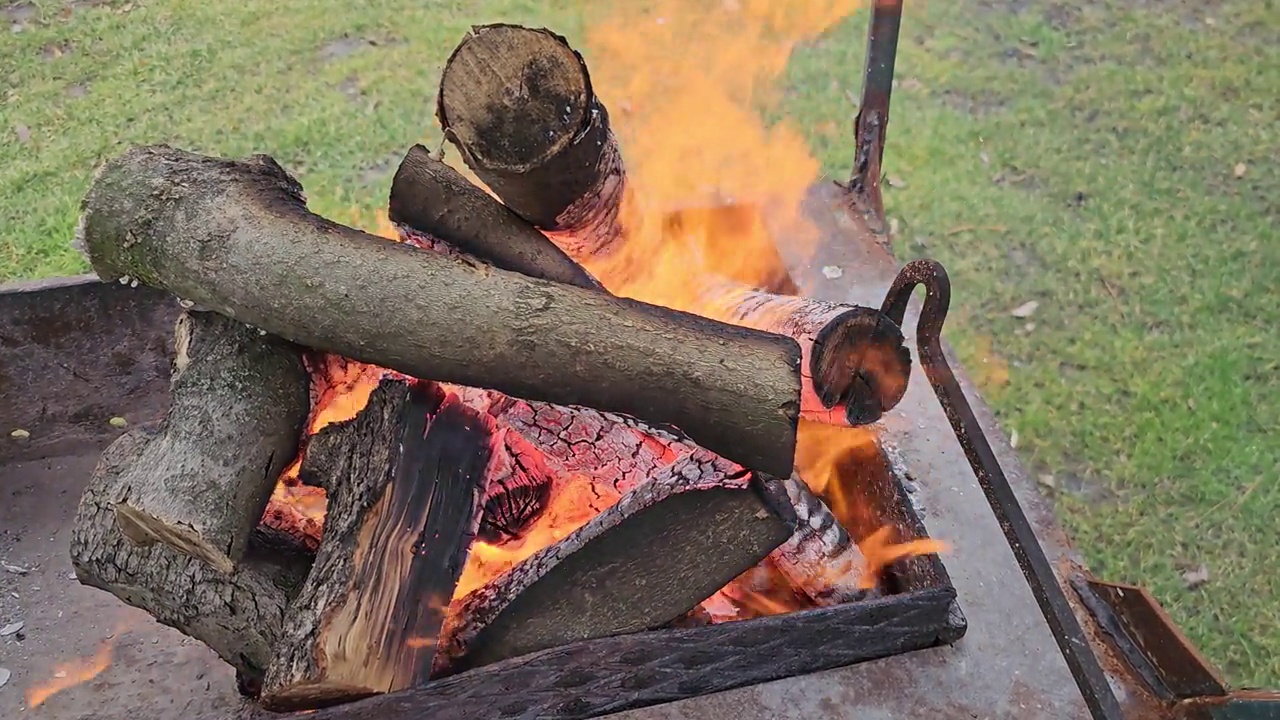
x,y
431,197
238,614
642,563
236,237
239,404
820,559
404,480
519,106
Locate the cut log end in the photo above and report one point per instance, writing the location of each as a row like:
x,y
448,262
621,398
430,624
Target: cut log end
x,y
518,104
859,362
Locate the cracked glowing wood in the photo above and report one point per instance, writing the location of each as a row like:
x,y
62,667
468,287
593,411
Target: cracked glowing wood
x,y
820,559
238,411
236,237
643,562
431,197
238,614
404,480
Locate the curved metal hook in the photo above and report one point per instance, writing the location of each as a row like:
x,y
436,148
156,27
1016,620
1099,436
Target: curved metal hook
x,y
1021,537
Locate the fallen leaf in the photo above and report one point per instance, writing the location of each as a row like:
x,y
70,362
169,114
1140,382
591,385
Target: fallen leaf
x,y
23,132
1013,439
4,676
1195,578
11,628
1191,403
984,157
1240,169
1025,310
1048,481
1029,327
831,272
893,226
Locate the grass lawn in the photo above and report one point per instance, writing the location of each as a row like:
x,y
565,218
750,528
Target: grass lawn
x,y
1113,161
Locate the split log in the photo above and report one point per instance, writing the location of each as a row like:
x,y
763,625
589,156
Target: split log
x,y
643,563
518,105
433,198
238,614
236,237
404,480
237,414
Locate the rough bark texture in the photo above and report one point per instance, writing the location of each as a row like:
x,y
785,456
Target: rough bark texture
x,y
236,237
239,405
820,559
640,564
431,197
405,478
519,106
237,614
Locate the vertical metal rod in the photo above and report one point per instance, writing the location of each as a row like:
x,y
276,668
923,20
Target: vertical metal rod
x,y
873,112
1022,539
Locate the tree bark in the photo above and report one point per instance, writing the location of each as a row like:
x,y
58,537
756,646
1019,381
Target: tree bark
x,y
236,237
518,105
642,563
238,614
404,479
237,415
431,197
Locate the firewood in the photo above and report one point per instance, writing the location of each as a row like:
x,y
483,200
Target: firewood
x,y
404,480
238,410
820,559
641,564
236,237
855,365
238,614
431,197
518,104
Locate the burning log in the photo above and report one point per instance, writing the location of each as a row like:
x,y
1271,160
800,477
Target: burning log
x,y
239,405
433,198
404,480
236,237
638,565
854,365
820,559
518,105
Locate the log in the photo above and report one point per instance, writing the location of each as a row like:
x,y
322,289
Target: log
x,y
404,481
238,614
433,198
237,415
236,237
854,363
820,559
519,106
641,564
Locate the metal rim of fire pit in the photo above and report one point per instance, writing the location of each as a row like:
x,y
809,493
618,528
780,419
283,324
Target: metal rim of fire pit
x,y
871,125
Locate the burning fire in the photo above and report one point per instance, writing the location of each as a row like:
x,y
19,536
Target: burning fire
x,y
686,82
70,674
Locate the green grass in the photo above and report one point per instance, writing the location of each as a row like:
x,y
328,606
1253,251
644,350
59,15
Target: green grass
x,y
1088,146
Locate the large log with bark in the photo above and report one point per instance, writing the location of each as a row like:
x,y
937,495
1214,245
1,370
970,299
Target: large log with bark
x,y
404,480
239,404
236,237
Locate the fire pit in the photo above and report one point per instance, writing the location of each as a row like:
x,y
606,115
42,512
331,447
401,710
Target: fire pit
x,y
512,459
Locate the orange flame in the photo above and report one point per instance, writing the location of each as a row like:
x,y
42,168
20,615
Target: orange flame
x,y
69,674
880,552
